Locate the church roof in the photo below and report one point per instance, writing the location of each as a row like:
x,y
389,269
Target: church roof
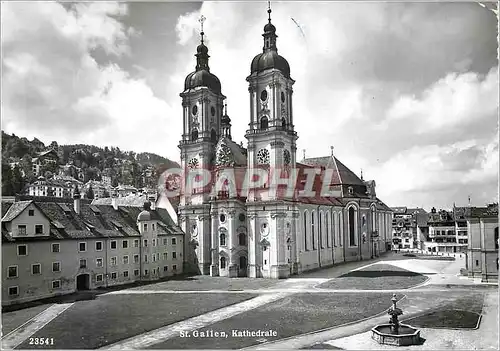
x,y
341,175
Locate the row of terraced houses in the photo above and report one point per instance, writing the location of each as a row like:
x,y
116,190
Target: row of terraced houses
x,y
472,231
54,246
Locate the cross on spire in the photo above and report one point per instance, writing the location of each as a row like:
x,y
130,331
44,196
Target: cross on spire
x,y
202,20
269,10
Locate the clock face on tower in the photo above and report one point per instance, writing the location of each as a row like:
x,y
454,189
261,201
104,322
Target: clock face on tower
x,y
193,163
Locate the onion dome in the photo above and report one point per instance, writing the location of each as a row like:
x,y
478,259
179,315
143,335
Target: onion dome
x,y
225,118
145,215
269,58
202,77
226,124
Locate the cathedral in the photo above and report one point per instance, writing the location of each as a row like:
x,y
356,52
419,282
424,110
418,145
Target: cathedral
x,y
267,231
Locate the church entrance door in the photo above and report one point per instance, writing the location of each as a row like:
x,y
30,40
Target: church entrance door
x,y
242,271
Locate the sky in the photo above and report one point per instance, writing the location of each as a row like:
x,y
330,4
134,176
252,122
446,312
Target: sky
x,y
406,92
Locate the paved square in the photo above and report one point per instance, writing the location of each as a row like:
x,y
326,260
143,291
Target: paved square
x,y
331,308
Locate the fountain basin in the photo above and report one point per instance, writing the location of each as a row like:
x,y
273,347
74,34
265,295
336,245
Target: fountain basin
x,y
406,336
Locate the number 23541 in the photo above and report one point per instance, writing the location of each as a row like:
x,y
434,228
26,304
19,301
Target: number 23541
x,y
41,341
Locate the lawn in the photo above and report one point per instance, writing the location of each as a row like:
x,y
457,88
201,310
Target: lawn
x,y
376,277
291,316
205,283
462,313
111,318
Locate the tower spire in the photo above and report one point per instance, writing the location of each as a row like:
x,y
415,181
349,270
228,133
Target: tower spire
x,y
269,32
202,33
202,50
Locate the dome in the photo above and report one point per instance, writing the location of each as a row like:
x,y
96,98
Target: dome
x,y
202,49
202,78
225,119
144,216
268,60
269,28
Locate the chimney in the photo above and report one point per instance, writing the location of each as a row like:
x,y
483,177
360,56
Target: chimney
x,y
114,201
76,200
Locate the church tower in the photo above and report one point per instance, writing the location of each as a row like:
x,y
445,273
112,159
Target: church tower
x,y
202,103
271,146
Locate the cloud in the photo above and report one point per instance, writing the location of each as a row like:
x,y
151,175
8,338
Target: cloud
x,y
405,91
54,87
456,100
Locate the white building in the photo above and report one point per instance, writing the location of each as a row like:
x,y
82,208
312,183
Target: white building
x,y
261,234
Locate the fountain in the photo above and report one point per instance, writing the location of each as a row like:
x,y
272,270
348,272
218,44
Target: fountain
x,y
396,333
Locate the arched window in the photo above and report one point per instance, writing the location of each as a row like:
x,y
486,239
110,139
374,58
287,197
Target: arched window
x,y
374,220
352,226
242,239
223,262
222,239
194,135
305,231
312,231
496,238
327,215
264,123
334,230
213,136
320,230
341,229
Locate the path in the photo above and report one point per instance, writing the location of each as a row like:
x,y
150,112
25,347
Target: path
x,y
23,332
170,331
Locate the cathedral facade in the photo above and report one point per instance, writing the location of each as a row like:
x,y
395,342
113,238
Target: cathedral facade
x,y
284,223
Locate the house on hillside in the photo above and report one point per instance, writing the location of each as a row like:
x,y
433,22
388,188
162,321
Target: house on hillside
x,y
42,159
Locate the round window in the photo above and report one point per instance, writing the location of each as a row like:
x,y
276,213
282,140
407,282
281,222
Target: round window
x,y
282,97
195,110
212,111
242,217
263,95
222,218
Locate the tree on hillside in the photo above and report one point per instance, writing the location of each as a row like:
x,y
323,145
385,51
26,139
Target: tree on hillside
x,y
27,167
53,168
90,193
17,180
7,189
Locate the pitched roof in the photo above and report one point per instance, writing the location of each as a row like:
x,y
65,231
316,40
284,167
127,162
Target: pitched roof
x,y
490,211
341,175
93,221
399,210
130,200
14,210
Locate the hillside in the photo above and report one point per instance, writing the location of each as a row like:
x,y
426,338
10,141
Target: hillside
x,y
124,167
